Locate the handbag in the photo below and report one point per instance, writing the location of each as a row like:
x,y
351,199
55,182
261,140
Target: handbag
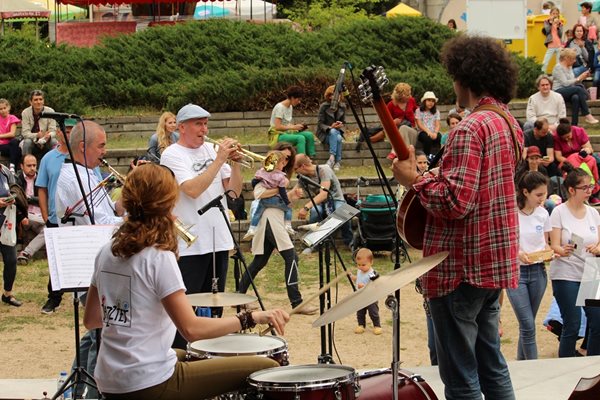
x,y
8,232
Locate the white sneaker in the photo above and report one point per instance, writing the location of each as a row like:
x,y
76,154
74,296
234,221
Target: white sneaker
x,y
250,234
330,163
590,119
336,166
290,229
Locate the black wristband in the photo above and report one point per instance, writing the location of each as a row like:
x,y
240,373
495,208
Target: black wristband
x,y
246,320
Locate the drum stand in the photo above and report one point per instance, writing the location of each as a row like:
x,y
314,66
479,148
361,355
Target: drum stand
x,y
324,278
391,302
79,374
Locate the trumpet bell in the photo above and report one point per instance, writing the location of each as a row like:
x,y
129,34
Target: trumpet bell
x,y
184,233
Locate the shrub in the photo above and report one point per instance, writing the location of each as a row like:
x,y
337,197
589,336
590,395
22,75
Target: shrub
x,y
227,65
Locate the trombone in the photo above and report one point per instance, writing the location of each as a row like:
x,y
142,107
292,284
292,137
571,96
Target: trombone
x,y
248,157
181,229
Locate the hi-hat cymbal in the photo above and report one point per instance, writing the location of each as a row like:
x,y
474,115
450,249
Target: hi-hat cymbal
x,y
220,299
379,288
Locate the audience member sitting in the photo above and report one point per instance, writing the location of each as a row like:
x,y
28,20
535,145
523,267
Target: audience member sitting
x,y
545,103
329,126
570,87
38,133
452,120
427,119
539,136
584,48
572,144
9,144
284,130
34,221
460,110
165,136
402,108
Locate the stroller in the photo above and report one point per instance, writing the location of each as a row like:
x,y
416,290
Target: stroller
x,y
377,224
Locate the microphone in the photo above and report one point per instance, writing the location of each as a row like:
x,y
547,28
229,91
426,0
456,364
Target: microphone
x,y
339,88
307,181
59,116
216,202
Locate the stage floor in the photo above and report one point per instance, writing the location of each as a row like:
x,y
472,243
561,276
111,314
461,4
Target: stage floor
x,y
550,378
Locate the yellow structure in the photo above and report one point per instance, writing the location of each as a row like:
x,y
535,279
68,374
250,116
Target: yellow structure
x,y
402,9
535,40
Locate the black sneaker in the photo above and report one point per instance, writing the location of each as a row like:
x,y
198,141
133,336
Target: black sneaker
x,y
50,307
11,301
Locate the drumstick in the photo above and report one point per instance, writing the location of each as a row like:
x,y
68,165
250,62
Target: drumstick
x,y
299,307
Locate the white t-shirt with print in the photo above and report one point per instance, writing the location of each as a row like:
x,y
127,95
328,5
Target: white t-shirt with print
x,y
531,230
282,112
186,164
571,268
137,332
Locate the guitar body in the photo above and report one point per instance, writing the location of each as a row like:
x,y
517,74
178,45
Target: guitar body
x,y
411,215
410,219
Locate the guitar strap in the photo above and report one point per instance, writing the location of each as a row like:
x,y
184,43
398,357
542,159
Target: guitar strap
x,y
499,111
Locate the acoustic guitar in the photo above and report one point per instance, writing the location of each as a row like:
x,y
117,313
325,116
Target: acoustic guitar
x,y
411,215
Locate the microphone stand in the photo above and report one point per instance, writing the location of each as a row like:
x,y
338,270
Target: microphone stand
x,y
238,251
79,375
326,331
399,245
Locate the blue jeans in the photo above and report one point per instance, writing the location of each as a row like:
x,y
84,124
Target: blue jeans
x,y
579,70
468,346
577,95
335,144
525,300
88,354
270,202
346,228
565,293
431,340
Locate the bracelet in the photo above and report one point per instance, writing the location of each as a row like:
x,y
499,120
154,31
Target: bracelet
x,y
306,209
246,320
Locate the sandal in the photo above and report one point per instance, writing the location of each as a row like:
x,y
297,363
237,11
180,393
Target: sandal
x,y
11,301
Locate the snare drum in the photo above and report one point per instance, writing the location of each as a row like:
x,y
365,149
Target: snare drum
x,y
306,382
377,385
238,344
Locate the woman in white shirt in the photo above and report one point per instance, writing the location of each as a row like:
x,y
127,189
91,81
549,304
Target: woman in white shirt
x,y
534,225
138,297
574,222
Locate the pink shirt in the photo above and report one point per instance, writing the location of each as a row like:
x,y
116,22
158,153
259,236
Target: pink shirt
x,y
579,138
5,124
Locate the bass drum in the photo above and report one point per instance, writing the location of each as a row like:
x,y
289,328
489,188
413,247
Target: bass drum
x,y
377,385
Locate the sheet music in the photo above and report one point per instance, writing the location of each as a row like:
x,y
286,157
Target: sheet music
x,y
71,253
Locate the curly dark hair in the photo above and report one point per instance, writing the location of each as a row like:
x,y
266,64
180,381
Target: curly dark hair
x,y
481,65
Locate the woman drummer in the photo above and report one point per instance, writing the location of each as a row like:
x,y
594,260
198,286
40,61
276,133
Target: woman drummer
x,y
138,297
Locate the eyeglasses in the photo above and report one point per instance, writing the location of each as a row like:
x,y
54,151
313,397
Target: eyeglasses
x,y
586,187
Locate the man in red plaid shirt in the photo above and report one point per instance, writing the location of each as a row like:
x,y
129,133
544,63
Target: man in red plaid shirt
x,y
472,213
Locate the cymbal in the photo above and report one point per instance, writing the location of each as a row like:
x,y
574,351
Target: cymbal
x,y
379,288
220,299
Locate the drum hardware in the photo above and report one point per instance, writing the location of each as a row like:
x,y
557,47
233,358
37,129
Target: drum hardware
x,y
248,157
299,307
385,284
182,230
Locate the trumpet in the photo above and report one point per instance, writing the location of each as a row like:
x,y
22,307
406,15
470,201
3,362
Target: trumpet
x,y
248,157
181,229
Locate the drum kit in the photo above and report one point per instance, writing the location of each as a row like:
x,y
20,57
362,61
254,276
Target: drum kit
x,y
319,381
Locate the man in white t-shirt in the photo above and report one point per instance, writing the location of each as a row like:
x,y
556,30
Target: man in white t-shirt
x,y
202,175
545,103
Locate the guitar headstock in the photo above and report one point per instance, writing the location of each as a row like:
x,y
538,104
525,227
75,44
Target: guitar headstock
x,y
373,80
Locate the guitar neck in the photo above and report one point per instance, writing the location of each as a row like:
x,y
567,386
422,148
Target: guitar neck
x,y
390,128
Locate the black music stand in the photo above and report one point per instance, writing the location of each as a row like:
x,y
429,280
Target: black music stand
x,y
322,237
62,240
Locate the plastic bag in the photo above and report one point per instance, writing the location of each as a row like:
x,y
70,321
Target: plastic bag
x,y
8,232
